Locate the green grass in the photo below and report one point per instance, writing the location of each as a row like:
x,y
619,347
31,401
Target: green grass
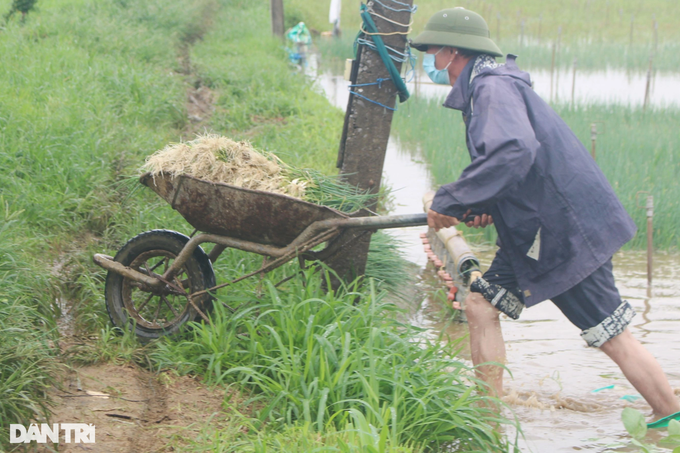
x,y
639,151
357,437
592,56
260,98
27,330
581,20
89,89
592,31
325,359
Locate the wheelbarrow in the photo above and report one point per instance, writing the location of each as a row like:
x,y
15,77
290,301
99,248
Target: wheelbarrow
x,y
161,279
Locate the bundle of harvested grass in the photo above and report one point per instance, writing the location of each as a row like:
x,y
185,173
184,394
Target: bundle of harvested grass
x,y
220,159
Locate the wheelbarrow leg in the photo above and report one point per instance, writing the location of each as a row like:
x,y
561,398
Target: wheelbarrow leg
x,y
216,252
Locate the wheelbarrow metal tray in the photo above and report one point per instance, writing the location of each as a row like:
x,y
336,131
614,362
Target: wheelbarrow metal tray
x,y
251,215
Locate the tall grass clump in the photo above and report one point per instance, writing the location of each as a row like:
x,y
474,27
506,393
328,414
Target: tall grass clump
x,y
27,331
89,88
330,359
638,151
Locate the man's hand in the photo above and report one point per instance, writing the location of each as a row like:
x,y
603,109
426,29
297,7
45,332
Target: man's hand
x,y
480,221
438,221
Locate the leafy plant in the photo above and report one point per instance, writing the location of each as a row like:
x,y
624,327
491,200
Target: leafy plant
x,y
634,422
328,359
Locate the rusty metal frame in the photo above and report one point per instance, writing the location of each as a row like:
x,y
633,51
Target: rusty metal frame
x,y
317,233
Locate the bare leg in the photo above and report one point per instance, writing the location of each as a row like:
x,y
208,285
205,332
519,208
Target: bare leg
x,y
486,340
643,371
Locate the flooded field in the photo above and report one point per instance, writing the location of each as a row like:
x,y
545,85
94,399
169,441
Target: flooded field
x,y
608,87
554,373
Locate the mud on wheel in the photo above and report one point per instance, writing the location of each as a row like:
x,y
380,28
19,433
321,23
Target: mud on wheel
x,y
154,313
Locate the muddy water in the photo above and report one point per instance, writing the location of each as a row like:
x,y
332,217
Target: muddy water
x,y
554,374
610,87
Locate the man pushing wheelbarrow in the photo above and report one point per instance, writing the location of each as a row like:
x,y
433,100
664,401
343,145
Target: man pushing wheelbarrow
x,y
558,220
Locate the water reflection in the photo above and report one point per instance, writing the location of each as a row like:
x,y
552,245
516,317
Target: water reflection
x,y
608,87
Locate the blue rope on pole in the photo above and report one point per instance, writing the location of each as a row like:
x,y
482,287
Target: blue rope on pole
x,y
371,100
399,57
411,9
370,27
378,82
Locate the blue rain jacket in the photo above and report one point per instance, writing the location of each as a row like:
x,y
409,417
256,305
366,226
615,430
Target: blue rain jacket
x,y
558,218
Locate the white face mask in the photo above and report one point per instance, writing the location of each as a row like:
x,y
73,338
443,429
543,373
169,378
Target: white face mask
x,y
439,76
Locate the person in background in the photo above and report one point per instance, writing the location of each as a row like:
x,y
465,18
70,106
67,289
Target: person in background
x,y
558,219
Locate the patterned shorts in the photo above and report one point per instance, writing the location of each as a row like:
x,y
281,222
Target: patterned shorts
x,y
594,305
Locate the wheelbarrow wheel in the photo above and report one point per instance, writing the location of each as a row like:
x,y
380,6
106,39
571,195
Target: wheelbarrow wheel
x,y
153,314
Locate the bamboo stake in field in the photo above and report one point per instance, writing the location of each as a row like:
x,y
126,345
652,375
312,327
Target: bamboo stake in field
x,y
416,82
649,82
650,241
656,33
593,138
649,207
632,23
573,83
540,23
552,71
557,68
521,35
606,15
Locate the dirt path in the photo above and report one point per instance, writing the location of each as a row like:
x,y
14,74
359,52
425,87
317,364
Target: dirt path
x,y
133,410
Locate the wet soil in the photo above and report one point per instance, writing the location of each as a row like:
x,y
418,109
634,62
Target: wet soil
x,y
133,410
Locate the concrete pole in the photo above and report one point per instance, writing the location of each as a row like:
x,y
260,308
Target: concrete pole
x,y
366,132
277,17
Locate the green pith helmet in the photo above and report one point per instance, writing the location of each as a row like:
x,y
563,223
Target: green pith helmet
x,y
459,28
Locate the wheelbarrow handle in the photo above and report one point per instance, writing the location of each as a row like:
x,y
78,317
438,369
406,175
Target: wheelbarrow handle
x,y
386,221
380,222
